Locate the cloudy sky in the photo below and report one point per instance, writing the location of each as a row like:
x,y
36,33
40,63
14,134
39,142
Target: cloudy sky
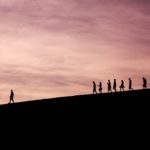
x,y
52,48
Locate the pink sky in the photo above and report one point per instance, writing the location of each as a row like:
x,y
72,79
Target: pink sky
x,y
52,48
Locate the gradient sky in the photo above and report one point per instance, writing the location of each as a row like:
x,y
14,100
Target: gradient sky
x,y
52,48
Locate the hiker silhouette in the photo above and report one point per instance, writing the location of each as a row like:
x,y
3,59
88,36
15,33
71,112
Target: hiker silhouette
x,y
109,86
144,83
94,88
100,87
122,86
115,85
11,96
130,84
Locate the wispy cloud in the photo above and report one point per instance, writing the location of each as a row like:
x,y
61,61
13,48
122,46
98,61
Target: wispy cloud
x,y
57,47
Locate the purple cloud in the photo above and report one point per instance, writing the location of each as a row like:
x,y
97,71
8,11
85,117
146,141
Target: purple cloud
x,y
58,47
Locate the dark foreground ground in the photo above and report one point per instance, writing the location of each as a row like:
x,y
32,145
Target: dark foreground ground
x,y
108,120
114,103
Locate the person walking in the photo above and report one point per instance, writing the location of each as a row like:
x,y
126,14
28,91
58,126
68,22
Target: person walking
x,y
130,85
144,83
100,87
115,85
11,97
109,86
94,88
122,86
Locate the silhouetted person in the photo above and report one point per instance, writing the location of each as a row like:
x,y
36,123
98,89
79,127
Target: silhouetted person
x,y
94,88
109,86
100,87
122,86
11,97
144,83
130,84
115,85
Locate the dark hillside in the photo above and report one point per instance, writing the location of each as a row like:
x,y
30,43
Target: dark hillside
x,y
101,103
